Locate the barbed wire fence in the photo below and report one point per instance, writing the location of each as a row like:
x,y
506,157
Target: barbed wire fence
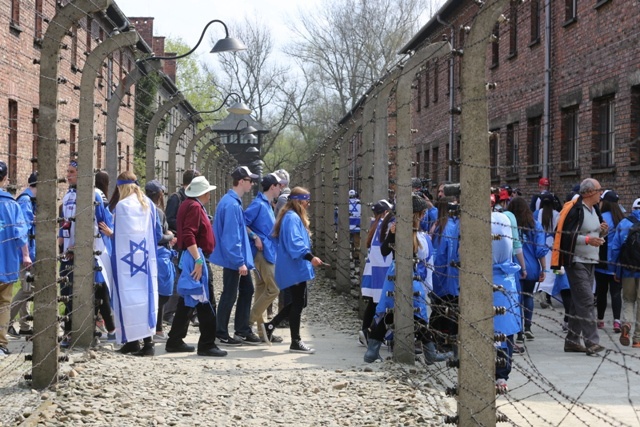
x,y
36,361
382,133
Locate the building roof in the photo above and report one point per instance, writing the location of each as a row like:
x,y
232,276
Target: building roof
x,y
230,124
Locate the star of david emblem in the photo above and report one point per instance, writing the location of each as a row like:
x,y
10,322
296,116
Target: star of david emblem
x,y
137,257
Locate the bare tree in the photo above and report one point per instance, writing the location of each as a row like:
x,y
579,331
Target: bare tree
x,y
263,84
348,45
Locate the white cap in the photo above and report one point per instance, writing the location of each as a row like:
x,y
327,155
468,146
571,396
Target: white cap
x,y
283,176
352,193
636,204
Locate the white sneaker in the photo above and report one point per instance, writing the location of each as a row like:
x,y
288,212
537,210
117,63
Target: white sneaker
x,y
161,337
4,351
362,339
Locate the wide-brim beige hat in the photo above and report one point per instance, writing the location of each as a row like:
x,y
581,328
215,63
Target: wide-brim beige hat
x,y
199,186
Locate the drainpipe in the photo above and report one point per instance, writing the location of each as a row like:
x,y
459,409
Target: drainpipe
x,y
452,96
547,89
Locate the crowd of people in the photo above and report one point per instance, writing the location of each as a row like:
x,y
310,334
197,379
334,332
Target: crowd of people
x,y
579,252
150,263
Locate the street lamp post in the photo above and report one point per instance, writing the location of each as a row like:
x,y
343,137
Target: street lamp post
x,y
227,44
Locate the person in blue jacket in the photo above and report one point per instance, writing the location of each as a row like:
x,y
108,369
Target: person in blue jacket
x,y
421,284
13,244
260,220
294,266
534,249
504,276
446,287
232,252
605,284
19,303
630,280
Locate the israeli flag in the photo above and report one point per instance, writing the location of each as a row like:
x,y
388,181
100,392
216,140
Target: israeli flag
x,y
135,270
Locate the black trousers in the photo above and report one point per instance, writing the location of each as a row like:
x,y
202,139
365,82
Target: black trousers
x,y
293,311
206,315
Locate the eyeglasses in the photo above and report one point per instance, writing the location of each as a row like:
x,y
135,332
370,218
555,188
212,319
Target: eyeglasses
x,y
246,179
600,190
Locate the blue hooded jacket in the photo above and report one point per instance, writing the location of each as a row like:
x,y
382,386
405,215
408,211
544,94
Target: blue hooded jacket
x,y
260,219
615,246
13,236
293,245
534,247
27,203
445,277
232,249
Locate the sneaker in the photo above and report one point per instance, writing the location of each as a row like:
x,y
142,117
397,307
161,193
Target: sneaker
x,y
4,351
572,347
300,347
520,338
182,347
501,386
636,344
616,327
111,337
229,341
11,331
250,338
594,349
565,326
624,334
160,337
600,324
362,339
518,350
66,342
529,335
100,326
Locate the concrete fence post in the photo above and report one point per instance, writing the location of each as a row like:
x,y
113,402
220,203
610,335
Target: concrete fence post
x,y
476,375
404,348
113,111
173,146
150,171
45,324
84,259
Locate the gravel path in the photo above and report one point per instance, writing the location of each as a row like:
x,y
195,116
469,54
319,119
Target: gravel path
x,y
253,385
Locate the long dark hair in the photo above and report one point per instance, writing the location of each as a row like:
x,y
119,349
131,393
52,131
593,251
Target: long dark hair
x,y
443,218
614,208
523,214
546,205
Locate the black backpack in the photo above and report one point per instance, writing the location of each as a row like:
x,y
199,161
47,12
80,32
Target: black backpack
x,y
630,250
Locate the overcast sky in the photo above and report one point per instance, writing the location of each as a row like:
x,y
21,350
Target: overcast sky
x,y
187,18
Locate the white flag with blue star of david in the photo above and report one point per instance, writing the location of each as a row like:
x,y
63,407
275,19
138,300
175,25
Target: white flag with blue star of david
x,y
135,271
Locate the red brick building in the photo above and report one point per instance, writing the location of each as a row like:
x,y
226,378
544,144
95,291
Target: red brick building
x,y
22,27
591,54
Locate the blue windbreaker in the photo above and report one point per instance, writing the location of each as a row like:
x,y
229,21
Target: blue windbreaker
x,y
534,247
445,277
260,219
232,249
28,212
13,236
293,245
615,246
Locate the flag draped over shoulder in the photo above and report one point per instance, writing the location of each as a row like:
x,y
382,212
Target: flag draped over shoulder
x,y
135,271
375,268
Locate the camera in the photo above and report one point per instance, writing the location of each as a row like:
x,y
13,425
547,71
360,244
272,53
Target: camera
x,y
452,190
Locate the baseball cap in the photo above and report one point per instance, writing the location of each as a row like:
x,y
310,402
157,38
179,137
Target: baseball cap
x,y
33,179
504,194
154,187
242,172
283,176
610,196
381,206
352,193
544,182
199,186
269,180
636,204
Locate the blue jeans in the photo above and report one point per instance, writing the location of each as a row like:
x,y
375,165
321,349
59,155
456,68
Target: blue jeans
x,y
528,287
234,287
